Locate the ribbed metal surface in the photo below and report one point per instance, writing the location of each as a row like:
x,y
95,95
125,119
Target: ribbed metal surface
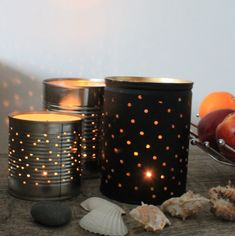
x,y
146,130
83,97
44,159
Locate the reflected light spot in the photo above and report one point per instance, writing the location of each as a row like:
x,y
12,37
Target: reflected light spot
x,y
70,101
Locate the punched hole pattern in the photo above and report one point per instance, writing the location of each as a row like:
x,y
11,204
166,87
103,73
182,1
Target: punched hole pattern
x,y
149,133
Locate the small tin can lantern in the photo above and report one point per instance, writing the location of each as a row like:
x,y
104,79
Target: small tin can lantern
x,y
44,155
83,97
146,137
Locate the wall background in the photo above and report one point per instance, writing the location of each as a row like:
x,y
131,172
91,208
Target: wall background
x,y
188,39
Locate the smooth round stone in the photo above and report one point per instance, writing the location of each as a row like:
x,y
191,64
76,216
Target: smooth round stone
x,y
51,213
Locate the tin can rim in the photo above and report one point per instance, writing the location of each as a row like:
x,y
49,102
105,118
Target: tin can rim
x,y
149,83
72,82
140,79
77,118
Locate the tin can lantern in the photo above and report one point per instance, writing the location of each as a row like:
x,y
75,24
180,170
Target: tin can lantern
x,y
83,97
146,137
44,155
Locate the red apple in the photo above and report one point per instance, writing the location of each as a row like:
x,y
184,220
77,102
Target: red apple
x,y
226,131
207,126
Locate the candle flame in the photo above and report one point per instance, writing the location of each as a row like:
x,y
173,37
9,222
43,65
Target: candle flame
x,y
148,174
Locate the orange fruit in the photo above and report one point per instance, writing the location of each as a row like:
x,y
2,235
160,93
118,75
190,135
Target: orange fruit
x,y
216,101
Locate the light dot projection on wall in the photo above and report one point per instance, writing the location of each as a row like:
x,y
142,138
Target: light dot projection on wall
x,y
14,96
152,150
37,171
83,97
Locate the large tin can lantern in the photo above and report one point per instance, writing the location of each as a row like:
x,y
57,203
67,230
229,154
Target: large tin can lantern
x,y
146,138
83,97
44,155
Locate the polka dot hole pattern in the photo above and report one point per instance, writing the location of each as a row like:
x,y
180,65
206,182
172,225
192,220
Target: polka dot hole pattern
x,y
139,156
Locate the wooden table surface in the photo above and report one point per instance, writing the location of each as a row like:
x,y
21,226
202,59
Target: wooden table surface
x,y
203,173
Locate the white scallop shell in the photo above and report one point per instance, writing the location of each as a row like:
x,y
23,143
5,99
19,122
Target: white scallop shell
x,y
96,202
150,216
105,220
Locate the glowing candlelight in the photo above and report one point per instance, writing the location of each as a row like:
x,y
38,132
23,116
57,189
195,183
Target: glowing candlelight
x,y
148,174
33,136
83,97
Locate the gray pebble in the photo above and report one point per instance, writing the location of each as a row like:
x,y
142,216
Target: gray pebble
x,y
51,213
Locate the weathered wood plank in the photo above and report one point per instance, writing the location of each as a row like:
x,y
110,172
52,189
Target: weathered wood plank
x,y
203,173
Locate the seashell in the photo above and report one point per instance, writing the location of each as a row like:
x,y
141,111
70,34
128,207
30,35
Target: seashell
x,y
223,192
105,220
229,192
223,209
187,205
222,202
96,202
150,216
